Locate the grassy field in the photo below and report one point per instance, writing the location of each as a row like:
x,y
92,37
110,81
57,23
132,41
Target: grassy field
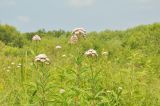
x,y
128,74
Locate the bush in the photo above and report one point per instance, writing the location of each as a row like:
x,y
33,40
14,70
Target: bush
x,y
10,36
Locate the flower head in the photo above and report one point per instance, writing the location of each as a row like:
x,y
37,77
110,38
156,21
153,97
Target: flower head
x,y
105,53
79,32
19,65
42,58
73,39
108,91
12,63
61,91
58,47
91,52
8,70
36,38
63,55
120,88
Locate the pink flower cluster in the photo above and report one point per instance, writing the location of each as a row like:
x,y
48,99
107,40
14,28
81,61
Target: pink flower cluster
x,y
73,39
42,58
36,38
77,33
91,53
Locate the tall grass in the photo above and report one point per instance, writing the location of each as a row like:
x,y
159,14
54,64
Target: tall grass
x,y
127,76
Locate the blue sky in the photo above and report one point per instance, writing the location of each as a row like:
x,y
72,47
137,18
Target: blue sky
x,y
93,15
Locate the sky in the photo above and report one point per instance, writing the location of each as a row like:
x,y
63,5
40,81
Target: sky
x,y
93,15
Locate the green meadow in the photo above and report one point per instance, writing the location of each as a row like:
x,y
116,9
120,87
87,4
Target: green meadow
x,y
126,71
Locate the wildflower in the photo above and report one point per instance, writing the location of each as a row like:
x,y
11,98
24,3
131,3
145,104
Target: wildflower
x,y
91,52
36,38
120,88
58,47
18,66
8,70
61,91
108,91
64,55
12,63
73,39
79,32
76,34
42,58
105,53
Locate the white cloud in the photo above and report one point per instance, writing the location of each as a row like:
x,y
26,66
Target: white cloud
x,y
24,19
81,3
7,3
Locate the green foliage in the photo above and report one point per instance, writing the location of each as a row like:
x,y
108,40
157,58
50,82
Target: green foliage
x,y
43,33
128,75
10,36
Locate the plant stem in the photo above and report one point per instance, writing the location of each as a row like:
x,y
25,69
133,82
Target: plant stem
x,y
92,85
